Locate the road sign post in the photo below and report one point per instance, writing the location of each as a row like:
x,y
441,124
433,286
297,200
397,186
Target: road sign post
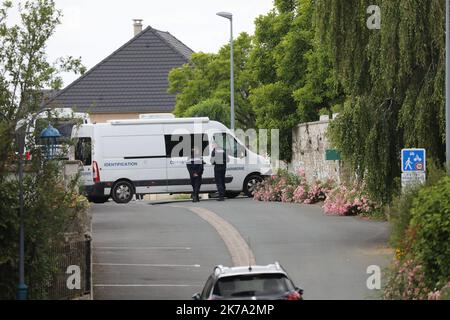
x,y
413,167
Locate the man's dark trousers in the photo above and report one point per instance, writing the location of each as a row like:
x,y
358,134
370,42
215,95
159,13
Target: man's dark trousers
x,y
196,184
219,176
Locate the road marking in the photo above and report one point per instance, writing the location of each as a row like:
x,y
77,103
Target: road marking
x,y
142,248
148,265
240,252
148,285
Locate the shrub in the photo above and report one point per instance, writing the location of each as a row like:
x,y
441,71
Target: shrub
x,y
406,281
442,294
430,231
50,209
279,187
400,217
319,190
345,201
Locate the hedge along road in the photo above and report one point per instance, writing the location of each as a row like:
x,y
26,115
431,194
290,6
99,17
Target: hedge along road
x,y
151,250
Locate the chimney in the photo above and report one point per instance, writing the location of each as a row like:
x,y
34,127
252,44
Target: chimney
x,y
137,26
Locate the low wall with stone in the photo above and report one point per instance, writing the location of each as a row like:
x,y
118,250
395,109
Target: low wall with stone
x,y
309,145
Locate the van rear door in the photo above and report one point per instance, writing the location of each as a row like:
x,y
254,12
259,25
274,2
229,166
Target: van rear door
x,y
83,152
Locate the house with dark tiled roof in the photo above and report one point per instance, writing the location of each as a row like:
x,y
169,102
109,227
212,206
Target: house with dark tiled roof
x,y
131,81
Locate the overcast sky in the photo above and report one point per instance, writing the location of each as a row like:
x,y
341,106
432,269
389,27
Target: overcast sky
x,y
93,29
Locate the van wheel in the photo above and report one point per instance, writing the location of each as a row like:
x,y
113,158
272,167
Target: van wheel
x,y
98,199
250,184
122,192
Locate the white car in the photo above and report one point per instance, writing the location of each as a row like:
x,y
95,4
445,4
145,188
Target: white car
x,y
269,282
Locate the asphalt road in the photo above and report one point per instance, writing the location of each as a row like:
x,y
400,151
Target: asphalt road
x,y
157,250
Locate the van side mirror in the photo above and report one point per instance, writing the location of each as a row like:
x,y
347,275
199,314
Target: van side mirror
x,y
196,296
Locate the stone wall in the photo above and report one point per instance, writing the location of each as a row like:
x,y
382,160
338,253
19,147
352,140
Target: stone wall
x,y
309,144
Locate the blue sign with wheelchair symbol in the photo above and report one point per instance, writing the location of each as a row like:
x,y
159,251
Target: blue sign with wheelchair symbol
x,y
413,160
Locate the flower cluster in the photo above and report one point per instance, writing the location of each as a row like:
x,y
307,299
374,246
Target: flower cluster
x,y
442,294
292,188
407,282
345,201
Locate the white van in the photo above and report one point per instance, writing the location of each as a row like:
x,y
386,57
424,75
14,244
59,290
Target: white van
x,y
148,156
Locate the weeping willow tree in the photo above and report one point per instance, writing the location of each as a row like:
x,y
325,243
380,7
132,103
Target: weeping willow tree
x,y
393,79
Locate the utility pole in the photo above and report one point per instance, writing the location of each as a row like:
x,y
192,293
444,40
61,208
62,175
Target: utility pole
x,y
447,83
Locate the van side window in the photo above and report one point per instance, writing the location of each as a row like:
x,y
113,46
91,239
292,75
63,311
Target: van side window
x,y
83,151
230,144
180,145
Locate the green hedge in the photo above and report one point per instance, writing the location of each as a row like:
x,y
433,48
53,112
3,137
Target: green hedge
x,y
430,231
50,208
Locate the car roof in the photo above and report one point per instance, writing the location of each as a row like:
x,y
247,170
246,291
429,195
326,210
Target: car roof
x,y
221,271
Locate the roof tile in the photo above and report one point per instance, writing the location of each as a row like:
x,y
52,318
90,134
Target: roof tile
x,y
134,78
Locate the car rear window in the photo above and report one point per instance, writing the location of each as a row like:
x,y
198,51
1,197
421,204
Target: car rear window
x,y
252,285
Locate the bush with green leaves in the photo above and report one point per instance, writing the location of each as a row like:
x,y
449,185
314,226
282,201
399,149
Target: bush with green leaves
x,y
50,209
50,204
420,220
430,231
400,217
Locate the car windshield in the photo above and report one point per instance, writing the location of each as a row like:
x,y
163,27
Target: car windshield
x,y
252,285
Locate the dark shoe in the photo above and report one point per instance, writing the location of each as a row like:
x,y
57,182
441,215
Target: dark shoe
x,y
195,200
221,199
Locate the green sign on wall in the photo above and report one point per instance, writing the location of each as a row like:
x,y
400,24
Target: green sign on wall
x,y
332,155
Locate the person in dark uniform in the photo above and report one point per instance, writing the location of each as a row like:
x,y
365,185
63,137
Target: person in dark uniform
x,y
219,158
195,168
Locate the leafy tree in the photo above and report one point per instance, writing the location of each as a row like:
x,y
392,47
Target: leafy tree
x,y
283,74
393,79
207,76
215,109
49,204
321,91
282,64
275,109
24,69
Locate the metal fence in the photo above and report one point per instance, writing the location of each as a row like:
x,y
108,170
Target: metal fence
x,y
76,254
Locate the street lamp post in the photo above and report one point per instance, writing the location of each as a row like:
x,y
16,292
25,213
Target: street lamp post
x,y
229,16
447,83
21,132
22,290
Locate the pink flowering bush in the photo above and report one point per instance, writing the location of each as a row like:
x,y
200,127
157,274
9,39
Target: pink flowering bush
x,y
270,189
290,188
345,201
442,294
294,188
407,282
300,194
319,190
287,194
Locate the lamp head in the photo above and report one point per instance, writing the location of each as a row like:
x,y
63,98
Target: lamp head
x,y
226,15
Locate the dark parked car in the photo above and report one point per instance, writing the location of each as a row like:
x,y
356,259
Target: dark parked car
x,y
269,282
